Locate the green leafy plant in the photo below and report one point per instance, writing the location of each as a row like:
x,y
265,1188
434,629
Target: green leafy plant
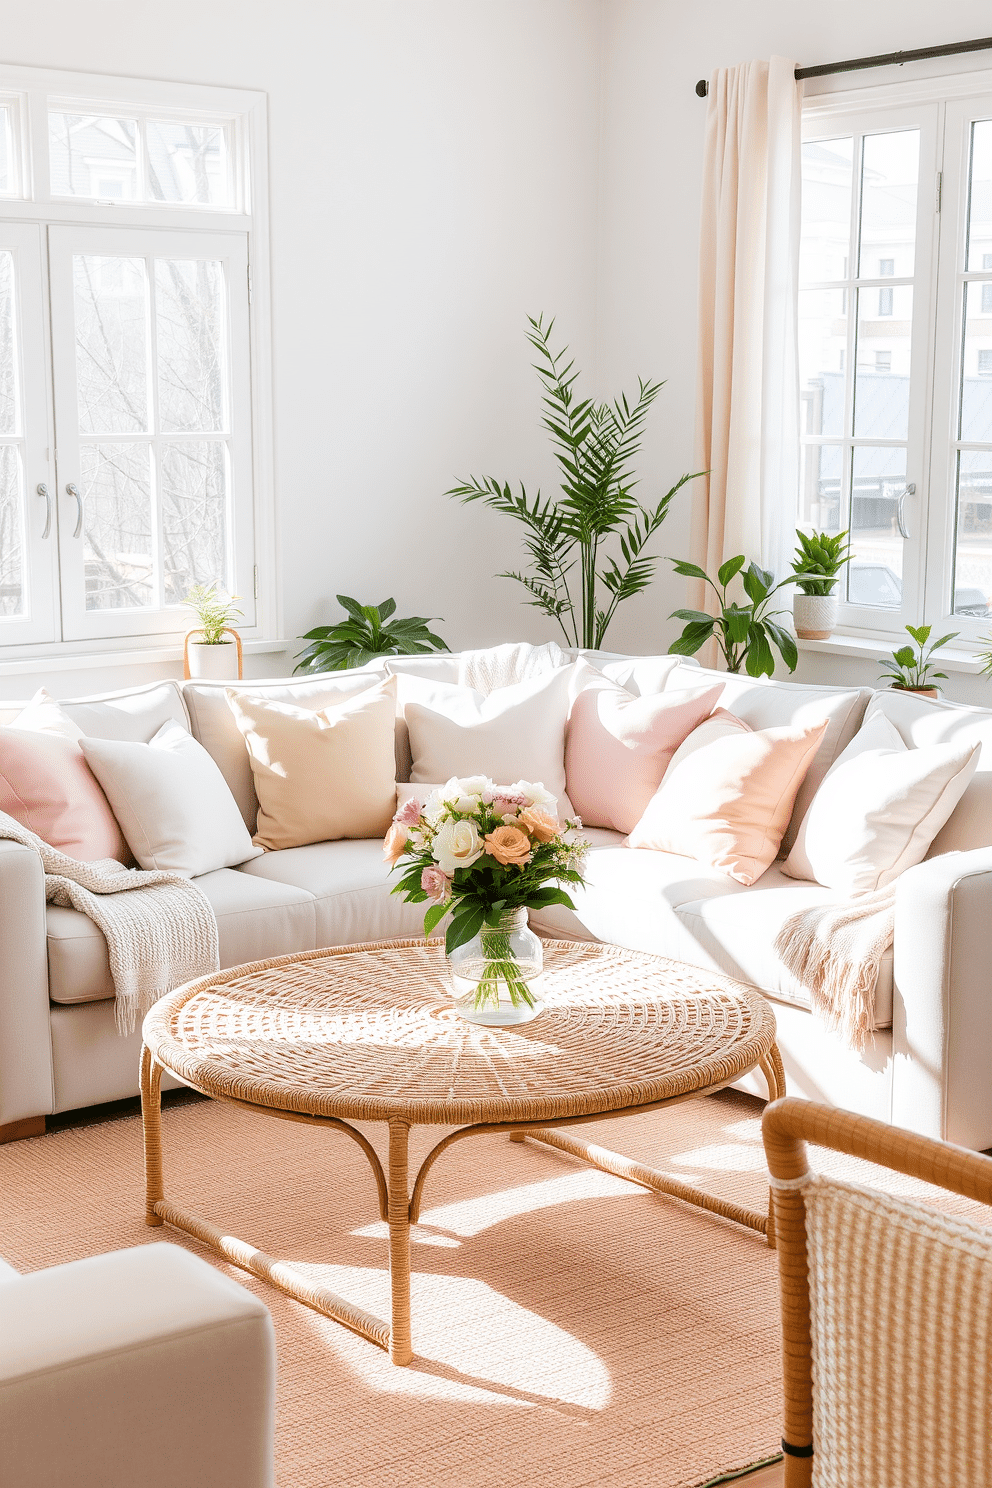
x,y
571,578
819,560
215,610
365,635
745,633
912,669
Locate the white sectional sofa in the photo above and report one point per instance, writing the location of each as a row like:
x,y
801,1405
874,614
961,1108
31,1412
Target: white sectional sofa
x,y
927,1064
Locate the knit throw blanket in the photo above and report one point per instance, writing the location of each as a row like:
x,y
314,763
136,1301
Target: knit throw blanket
x,y
160,928
502,666
834,951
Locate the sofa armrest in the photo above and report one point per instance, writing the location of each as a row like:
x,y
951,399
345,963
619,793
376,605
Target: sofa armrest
x,y
143,1366
942,1004
25,1032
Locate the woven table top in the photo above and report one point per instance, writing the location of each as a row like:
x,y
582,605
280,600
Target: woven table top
x,y
369,1032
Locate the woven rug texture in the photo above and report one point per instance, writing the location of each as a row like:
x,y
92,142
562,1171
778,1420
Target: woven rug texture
x,y
570,1329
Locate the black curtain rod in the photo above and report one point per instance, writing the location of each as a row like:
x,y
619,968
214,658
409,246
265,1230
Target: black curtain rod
x,y
886,59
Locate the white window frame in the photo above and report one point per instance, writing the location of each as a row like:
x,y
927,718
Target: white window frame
x,y
30,92
949,102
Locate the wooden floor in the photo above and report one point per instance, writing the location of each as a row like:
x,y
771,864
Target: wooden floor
x,y
766,1477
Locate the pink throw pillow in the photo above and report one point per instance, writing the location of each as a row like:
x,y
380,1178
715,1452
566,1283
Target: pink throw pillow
x,y
47,786
729,803
618,746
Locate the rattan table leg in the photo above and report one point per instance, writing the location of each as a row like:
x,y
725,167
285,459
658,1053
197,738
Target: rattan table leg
x,y
151,1123
400,1344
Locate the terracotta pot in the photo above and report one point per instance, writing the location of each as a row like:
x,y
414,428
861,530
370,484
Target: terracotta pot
x,y
814,615
927,692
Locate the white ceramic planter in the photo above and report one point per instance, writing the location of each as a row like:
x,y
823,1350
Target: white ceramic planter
x,y
213,663
814,615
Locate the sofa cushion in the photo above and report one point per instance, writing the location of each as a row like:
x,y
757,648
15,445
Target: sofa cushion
x,y
921,721
137,713
643,675
764,703
215,726
47,786
351,886
256,919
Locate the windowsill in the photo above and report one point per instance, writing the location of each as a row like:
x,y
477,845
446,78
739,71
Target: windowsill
x,y
81,661
876,647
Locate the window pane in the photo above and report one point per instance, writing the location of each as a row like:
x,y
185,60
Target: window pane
x,y
11,534
822,477
8,351
194,516
189,308
8,168
976,367
980,195
881,393
973,548
888,202
822,349
94,155
117,528
875,571
826,233
187,163
111,296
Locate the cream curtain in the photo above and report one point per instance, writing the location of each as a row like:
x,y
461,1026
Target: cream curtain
x,y
747,433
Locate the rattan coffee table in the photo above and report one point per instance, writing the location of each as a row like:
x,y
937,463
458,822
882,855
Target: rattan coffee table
x,y
368,1033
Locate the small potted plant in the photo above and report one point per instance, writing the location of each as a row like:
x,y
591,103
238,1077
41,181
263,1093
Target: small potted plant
x,y
816,569
216,654
912,670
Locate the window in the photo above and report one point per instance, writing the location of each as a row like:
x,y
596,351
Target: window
x,y
896,350
128,469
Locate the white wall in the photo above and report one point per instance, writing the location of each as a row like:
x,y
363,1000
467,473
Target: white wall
x,y
649,195
433,180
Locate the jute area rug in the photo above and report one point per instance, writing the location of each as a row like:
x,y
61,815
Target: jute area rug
x,y
570,1329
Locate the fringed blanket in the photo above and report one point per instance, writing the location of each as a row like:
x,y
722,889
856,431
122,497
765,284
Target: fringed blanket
x,y
160,928
834,951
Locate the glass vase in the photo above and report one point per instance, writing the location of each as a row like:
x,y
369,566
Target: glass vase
x,y
497,975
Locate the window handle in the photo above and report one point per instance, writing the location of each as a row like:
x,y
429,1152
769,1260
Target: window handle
x,y
901,510
42,490
74,491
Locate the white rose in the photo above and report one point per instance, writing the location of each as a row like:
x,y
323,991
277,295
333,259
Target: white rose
x,y
535,795
465,795
434,808
456,845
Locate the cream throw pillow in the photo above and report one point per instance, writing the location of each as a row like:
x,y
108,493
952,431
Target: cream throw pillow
x,y
879,808
321,775
174,806
728,803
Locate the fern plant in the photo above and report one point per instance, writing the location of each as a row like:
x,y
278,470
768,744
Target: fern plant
x,y
573,577
215,610
364,635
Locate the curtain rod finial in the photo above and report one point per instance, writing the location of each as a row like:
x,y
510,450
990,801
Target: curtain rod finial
x,y
702,88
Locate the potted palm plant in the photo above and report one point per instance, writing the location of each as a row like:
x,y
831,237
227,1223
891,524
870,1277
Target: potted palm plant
x,y
912,670
816,569
216,653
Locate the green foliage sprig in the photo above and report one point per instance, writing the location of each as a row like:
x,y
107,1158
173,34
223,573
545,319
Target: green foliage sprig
x,y
745,633
819,559
911,669
215,610
570,577
365,635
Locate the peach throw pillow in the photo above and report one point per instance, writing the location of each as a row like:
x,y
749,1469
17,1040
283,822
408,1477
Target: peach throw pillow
x,y
618,746
47,786
729,803
321,775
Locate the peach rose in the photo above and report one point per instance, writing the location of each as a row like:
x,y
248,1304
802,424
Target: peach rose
x,y
509,846
394,845
540,824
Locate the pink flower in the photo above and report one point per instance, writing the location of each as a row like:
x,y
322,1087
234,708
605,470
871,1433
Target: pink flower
x,y
436,884
395,844
505,805
409,813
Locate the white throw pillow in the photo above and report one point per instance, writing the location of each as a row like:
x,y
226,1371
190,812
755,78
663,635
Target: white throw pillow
x,y
878,809
174,806
516,733
43,715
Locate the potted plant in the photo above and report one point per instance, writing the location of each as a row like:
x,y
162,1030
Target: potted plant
x,y
213,656
912,670
816,568
572,577
745,633
365,635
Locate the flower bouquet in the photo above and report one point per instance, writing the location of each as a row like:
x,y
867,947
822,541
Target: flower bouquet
x,y
487,853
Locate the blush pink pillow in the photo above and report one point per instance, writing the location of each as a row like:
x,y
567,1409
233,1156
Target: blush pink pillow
x,y
729,803
47,786
618,746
